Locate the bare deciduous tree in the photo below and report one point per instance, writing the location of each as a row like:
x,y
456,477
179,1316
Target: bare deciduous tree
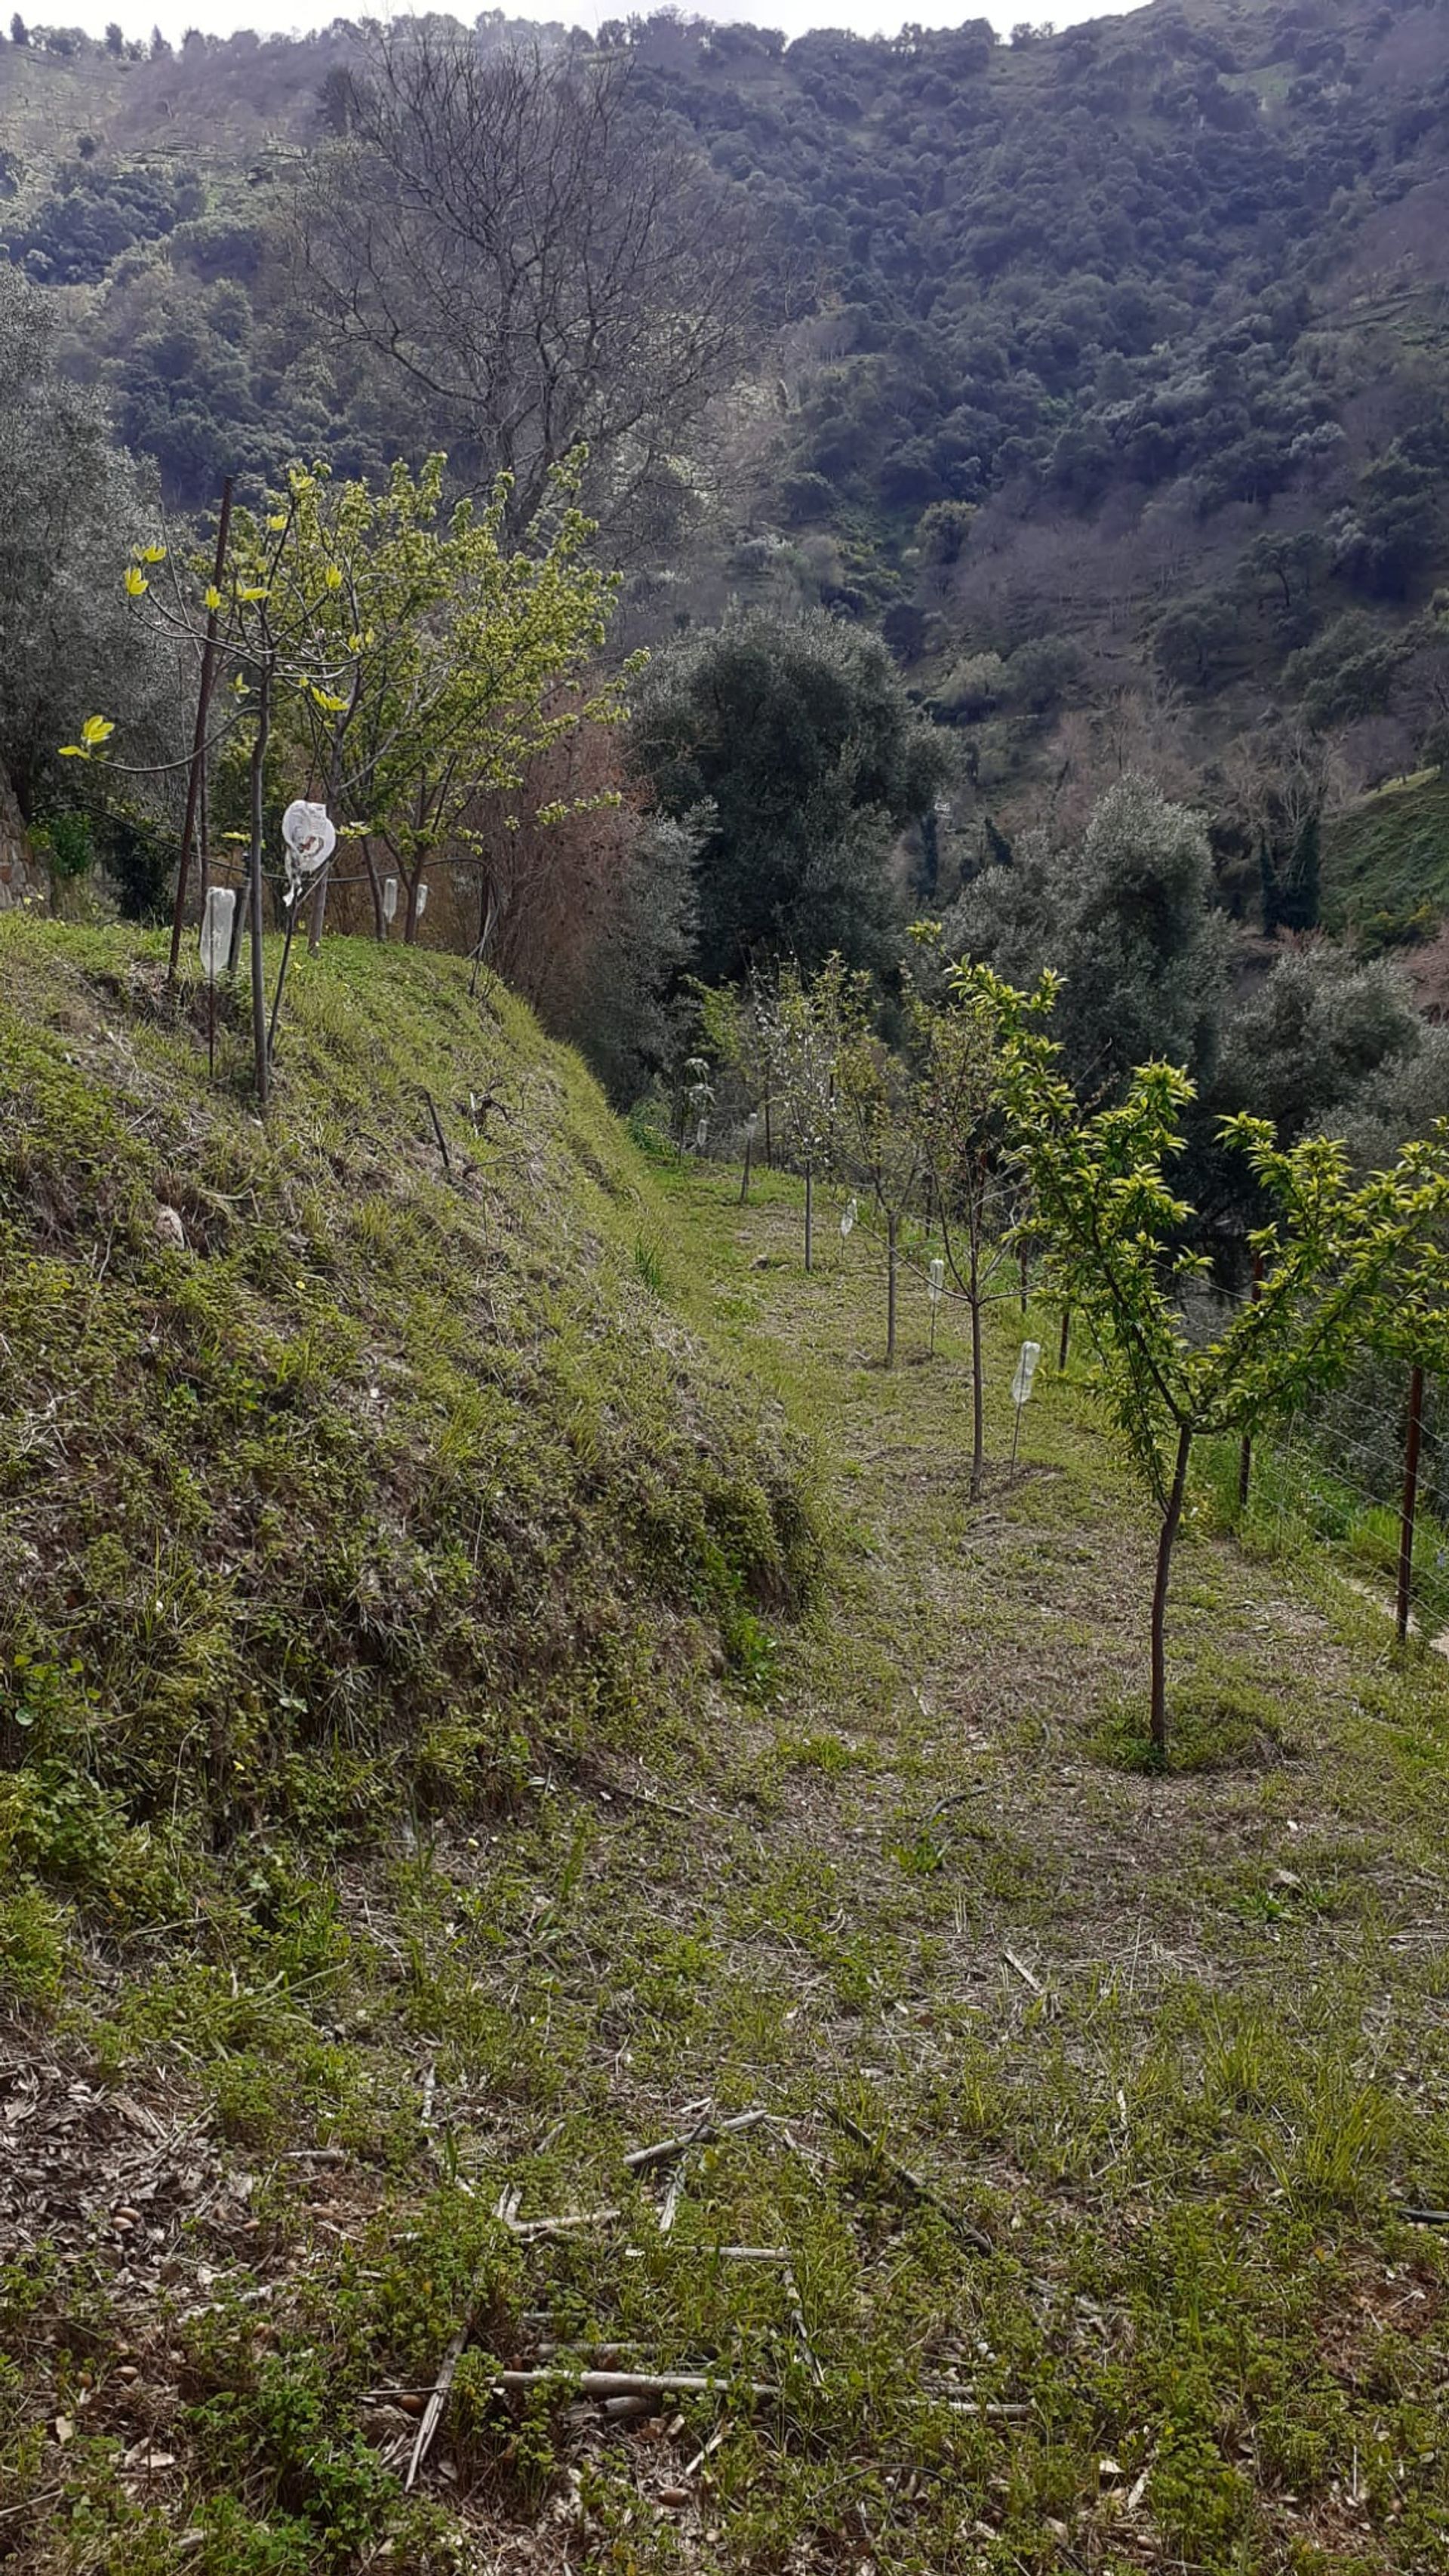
x,y
547,266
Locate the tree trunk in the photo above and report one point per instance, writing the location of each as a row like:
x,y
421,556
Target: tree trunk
x,y
258,783
196,769
1171,1523
375,886
809,1217
317,915
892,1223
978,1394
1066,1342
1412,1435
978,1391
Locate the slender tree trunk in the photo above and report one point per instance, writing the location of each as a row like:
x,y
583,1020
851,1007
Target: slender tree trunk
x,y
809,1217
258,782
1167,1540
196,771
892,1225
233,954
978,1395
1413,1434
769,1141
1066,1342
1245,1453
317,915
978,1389
745,1174
374,882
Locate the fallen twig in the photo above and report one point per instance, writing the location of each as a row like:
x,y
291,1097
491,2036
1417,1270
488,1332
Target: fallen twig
x,y
438,1132
631,2383
433,2411
957,1798
1426,2217
711,2253
642,1798
914,2183
1024,1972
30,2503
641,2159
527,2230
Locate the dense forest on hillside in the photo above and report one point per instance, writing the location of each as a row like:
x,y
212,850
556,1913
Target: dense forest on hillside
x,y
966,427
1105,372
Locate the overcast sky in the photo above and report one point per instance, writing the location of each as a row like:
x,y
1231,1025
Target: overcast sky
x,y
866,17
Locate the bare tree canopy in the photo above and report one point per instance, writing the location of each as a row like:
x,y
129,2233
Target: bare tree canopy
x,y
545,264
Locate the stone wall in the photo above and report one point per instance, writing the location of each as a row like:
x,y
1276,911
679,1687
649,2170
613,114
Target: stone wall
x,y
20,879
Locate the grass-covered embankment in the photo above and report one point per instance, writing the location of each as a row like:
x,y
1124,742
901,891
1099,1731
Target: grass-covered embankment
x,y
1386,861
341,1483
1168,2051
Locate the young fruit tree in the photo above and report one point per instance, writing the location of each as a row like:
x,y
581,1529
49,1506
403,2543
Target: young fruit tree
x,y
810,1022
401,660
957,1115
880,1141
482,656
265,618
1342,1265
743,1028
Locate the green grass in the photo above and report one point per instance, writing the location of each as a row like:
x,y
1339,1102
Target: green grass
x,y
873,1848
1386,861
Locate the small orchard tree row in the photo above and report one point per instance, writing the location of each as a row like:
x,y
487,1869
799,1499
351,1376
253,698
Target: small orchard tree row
x,y
920,1126
956,1113
1342,1265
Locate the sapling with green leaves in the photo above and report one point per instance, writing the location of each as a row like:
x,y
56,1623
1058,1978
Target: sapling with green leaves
x,y
1343,1265
811,1020
401,658
485,655
742,1026
271,624
957,1118
880,1140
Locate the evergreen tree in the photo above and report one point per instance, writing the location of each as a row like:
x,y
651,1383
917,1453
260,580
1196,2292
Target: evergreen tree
x,y
798,734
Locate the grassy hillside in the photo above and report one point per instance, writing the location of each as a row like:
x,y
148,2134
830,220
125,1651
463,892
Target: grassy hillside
x,y
339,1481
418,1798
1386,860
